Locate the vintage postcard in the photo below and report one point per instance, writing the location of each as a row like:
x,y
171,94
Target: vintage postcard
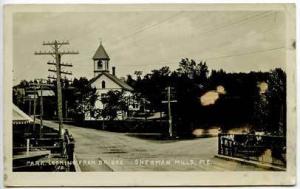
x,y
150,95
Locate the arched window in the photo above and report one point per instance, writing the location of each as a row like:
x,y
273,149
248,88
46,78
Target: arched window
x,y
103,84
100,65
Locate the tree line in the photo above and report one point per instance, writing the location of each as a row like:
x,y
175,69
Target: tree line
x,y
257,98
205,98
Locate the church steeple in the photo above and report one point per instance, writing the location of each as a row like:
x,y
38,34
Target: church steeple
x,y
101,60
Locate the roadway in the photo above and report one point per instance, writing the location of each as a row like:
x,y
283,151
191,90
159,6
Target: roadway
x,y
98,150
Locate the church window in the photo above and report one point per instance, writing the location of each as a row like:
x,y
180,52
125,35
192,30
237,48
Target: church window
x,y
103,84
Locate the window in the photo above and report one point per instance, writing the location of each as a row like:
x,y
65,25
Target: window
x,y
103,84
99,65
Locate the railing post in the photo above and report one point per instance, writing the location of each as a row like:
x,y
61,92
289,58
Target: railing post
x,y
219,143
70,151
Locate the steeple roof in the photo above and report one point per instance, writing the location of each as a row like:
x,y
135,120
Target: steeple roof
x,y
101,53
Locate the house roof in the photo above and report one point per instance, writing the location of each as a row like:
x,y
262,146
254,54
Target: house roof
x,y
101,53
19,117
118,81
46,93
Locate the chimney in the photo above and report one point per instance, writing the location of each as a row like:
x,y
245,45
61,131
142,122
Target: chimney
x,y
114,71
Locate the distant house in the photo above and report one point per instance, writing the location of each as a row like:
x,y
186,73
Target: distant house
x,y
104,81
48,99
25,94
39,93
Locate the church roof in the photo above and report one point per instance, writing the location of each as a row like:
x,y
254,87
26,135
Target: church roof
x,y
118,81
101,53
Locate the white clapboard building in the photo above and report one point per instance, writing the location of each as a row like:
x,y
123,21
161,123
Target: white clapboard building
x,y
105,81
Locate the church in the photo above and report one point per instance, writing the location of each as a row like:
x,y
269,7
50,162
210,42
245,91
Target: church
x,y
105,81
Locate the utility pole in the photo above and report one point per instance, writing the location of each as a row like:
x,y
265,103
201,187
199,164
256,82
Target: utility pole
x,y
56,54
40,86
169,101
144,107
29,111
34,107
30,99
66,108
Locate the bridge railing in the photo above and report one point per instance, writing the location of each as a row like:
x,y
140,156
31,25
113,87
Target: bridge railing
x,y
68,146
261,148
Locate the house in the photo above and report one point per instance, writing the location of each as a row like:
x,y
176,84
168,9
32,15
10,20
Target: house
x,y
48,101
104,81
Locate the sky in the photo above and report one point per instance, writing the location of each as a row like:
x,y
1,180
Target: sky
x,y
235,41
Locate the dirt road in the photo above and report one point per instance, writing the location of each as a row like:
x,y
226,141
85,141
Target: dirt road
x,y
98,150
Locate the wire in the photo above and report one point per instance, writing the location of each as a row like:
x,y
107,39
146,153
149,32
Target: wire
x,y
121,41
151,26
247,53
240,21
217,57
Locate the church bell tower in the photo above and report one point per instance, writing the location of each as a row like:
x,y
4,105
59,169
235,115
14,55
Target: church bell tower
x,y
101,60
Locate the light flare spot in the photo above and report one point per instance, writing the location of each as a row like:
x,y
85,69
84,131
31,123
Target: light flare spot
x,y
197,132
221,90
206,132
209,98
263,87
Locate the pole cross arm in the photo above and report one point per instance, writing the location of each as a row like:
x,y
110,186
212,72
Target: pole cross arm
x,y
165,101
51,63
44,53
50,70
67,73
51,77
56,43
67,65
68,52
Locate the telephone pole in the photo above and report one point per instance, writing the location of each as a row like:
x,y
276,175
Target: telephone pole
x,y
57,54
170,101
40,86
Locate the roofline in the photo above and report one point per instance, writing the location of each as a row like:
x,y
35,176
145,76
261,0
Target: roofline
x,y
109,75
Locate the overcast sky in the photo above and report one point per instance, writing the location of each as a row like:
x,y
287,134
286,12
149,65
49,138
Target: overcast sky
x,y
231,40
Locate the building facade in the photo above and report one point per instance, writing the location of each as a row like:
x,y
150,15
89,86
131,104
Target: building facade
x,y
105,81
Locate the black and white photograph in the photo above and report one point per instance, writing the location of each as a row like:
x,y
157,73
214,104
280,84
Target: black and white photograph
x,y
158,89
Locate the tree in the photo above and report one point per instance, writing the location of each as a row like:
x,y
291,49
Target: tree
x,y
152,86
138,74
189,68
81,98
113,102
130,81
276,96
270,106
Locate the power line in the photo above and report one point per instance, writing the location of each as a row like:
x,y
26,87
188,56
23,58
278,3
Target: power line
x,y
152,26
149,27
117,41
247,53
240,21
216,57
